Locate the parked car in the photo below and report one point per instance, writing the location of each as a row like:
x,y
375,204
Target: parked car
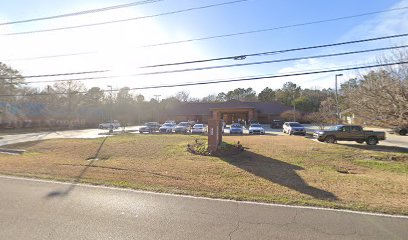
x,y
401,130
276,124
171,122
294,128
236,128
167,128
115,124
199,128
182,127
349,133
149,127
256,129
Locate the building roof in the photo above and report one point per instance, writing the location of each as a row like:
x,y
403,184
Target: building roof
x,y
272,108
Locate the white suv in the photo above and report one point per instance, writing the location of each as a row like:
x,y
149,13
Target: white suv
x,y
293,128
106,125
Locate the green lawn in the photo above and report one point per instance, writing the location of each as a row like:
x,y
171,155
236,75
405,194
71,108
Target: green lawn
x,y
279,169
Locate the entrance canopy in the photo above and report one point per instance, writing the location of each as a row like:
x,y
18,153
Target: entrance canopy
x,y
231,115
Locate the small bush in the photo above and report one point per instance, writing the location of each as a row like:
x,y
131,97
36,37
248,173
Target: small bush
x,y
201,148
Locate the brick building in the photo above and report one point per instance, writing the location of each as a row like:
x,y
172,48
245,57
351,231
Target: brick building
x,y
232,111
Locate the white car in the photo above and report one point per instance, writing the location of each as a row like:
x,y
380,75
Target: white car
x,y
115,124
294,128
256,129
198,128
167,128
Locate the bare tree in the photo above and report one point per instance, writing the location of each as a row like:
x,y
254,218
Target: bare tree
x,y
381,97
326,114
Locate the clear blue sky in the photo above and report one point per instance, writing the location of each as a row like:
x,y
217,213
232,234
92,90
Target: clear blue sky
x,y
115,46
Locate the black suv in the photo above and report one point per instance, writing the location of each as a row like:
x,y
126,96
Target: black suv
x,y
276,124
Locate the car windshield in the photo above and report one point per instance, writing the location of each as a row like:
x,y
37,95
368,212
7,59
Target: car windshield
x,y
256,125
295,125
183,124
235,126
198,126
335,128
167,125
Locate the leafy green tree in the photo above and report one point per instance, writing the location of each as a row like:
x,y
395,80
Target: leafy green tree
x,y
266,95
10,82
288,93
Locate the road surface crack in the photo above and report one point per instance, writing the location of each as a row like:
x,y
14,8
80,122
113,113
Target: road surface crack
x,y
238,223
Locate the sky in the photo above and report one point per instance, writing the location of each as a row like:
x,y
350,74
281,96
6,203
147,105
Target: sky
x,y
121,47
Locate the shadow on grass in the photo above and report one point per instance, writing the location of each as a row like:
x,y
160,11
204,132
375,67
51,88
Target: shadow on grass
x,y
77,180
276,171
378,148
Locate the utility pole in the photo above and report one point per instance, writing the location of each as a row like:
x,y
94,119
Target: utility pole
x,y
158,109
111,104
294,107
157,97
337,98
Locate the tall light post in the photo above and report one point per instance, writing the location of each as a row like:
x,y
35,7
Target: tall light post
x,y
337,97
111,104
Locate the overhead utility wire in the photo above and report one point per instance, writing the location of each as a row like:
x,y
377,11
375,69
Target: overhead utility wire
x,y
271,61
236,57
273,28
49,56
222,66
82,12
127,19
240,57
117,76
53,75
222,81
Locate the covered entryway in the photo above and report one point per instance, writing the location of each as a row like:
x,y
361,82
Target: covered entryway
x,y
231,115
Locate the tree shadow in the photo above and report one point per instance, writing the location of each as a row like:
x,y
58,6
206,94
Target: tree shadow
x,y
276,171
71,187
378,148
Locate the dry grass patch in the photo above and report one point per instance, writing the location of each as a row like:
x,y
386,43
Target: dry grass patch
x,y
281,169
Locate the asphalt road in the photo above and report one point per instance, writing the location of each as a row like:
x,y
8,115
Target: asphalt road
x,y
35,209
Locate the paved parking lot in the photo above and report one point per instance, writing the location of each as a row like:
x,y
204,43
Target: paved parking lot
x,y
392,139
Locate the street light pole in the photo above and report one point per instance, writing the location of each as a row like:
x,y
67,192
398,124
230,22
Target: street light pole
x,y
337,97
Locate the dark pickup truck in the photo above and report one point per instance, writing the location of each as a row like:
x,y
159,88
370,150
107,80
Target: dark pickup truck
x,y
349,133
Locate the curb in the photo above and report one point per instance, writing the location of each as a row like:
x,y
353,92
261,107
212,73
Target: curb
x,y
12,151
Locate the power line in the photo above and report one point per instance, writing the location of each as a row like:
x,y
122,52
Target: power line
x,y
127,19
226,81
221,66
117,76
53,75
49,56
271,61
239,57
82,12
272,29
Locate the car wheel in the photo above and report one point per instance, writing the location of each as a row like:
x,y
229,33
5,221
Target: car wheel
x,y
372,141
290,133
330,139
403,132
